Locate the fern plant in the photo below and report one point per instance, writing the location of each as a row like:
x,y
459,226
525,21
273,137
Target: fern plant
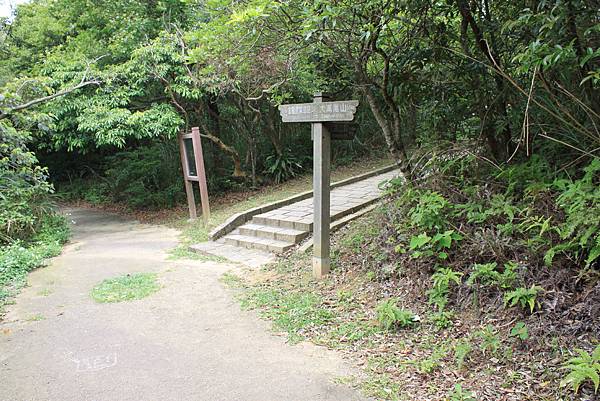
x,y
390,315
523,296
583,368
438,294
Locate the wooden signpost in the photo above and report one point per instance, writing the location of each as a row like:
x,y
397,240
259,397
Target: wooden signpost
x,y
322,115
192,163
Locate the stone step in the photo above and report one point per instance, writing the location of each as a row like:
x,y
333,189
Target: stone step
x,y
250,242
281,223
276,233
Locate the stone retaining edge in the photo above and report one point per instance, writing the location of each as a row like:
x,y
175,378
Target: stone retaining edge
x,y
240,218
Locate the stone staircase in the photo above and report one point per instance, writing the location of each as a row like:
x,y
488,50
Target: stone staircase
x,y
254,239
275,231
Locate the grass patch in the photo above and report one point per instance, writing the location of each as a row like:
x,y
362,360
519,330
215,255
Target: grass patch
x,y
182,251
19,258
231,280
292,312
35,318
125,288
382,387
44,292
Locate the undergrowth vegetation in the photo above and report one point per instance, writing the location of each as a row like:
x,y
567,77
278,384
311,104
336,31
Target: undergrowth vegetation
x,y
471,283
19,257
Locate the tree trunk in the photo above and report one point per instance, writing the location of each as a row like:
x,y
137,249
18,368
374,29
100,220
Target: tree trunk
x,y
392,137
500,149
272,132
235,156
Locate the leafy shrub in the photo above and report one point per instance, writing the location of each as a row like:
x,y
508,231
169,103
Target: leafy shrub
x,y
23,187
523,296
390,315
424,245
582,368
283,167
430,211
20,257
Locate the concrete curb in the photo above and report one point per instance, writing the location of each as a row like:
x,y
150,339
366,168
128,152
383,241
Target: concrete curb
x,y
240,218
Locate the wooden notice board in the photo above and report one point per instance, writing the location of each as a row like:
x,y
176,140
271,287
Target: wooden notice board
x,y
192,164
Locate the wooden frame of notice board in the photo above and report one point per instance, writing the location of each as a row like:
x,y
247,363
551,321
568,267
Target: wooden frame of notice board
x,y
192,164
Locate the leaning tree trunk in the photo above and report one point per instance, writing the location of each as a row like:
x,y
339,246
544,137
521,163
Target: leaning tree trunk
x,y
235,156
391,134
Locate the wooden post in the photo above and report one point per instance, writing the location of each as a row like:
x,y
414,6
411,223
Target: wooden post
x,y
321,192
199,157
321,115
189,190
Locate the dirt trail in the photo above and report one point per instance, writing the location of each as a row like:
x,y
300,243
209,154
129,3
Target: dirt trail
x,y
188,341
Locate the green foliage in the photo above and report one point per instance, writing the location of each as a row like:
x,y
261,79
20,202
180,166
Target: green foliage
x,y
429,212
462,349
433,361
442,279
487,274
460,394
126,288
20,257
580,201
442,319
525,297
520,331
490,342
283,167
23,187
292,312
424,245
583,368
390,315
146,177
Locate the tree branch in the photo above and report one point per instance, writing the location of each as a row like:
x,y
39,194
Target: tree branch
x,y
44,99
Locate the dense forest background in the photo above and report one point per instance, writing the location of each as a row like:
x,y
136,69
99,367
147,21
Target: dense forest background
x,y
97,91
490,108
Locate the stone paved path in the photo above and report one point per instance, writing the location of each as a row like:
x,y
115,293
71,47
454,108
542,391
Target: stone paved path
x,y
190,341
281,229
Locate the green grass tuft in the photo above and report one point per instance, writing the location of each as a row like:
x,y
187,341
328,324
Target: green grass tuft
x,y
125,288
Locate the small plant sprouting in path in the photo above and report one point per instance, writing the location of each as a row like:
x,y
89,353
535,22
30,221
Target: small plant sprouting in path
x,y
125,288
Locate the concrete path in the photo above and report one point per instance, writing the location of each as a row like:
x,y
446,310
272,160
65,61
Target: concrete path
x,y
189,341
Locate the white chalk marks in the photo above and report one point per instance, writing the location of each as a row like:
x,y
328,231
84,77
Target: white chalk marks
x,y
93,363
